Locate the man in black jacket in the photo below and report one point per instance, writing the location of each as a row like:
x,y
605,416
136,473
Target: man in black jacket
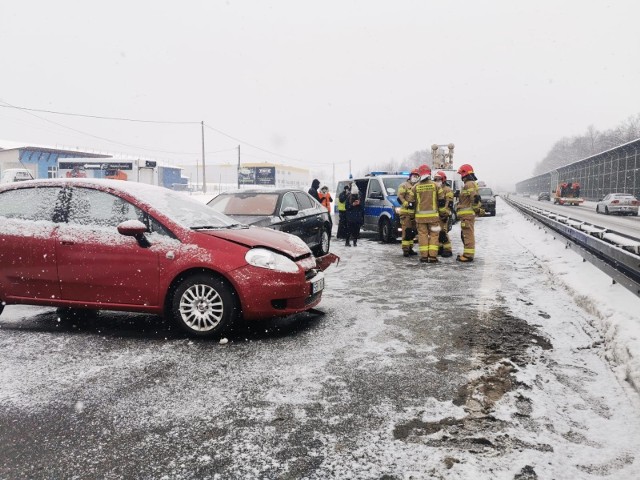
x,y
313,191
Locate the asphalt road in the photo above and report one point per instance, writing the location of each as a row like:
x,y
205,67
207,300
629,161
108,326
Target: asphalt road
x,y
410,371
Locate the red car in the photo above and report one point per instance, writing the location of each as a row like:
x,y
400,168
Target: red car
x,y
113,245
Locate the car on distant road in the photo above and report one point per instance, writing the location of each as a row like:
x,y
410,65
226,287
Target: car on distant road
x,y
115,245
288,210
622,203
544,196
488,200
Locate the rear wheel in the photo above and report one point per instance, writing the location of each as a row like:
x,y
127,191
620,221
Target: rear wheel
x,y
204,305
1,307
325,242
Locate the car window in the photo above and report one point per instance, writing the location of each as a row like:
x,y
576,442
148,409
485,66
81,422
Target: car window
x,y
30,203
289,200
374,188
485,192
606,197
97,208
245,203
305,201
393,184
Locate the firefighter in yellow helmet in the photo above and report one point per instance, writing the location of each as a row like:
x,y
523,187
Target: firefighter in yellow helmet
x,y
408,213
429,205
468,206
444,250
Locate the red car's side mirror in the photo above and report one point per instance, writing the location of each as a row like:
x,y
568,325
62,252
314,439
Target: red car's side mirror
x,y
132,228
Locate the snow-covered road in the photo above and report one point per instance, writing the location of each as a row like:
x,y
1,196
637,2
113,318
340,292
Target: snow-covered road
x,y
521,365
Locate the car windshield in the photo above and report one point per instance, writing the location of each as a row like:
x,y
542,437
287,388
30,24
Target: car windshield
x,y
245,203
485,192
392,184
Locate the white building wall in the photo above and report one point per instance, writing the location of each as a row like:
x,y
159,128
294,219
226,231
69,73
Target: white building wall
x,y
10,159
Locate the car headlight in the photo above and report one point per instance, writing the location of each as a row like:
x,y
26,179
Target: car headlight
x,y
263,258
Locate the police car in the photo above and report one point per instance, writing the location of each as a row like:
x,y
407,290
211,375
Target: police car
x,y
381,206
380,190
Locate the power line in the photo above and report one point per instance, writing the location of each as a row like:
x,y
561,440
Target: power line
x,y
100,117
95,136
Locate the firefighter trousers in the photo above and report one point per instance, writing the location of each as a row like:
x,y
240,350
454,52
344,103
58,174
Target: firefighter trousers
x,y
407,222
468,236
428,234
443,237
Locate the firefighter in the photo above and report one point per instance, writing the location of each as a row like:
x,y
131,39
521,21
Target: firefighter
x,y
430,203
444,249
468,206
407,213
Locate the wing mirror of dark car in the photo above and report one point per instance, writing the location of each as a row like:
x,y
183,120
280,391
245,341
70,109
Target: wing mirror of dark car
x,y
135,229
289,212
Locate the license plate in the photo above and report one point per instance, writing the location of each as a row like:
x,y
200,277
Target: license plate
x,y
317,286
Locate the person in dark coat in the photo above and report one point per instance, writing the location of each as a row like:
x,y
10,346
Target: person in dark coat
x,y
342,212
313,191
355,217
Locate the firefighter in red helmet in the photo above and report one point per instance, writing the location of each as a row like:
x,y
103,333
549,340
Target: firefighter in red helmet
x,y
429,206
444,249
408,213
468,206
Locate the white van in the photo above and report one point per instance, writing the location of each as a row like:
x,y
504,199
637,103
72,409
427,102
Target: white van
x,y
11,175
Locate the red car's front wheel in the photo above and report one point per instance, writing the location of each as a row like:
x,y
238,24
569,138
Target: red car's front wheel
x,y
204,305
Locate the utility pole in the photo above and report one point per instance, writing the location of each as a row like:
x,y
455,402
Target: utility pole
x,y
238,167
204,175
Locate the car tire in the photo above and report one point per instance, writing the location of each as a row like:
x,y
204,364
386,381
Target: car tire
x,y
204,305
325,242
606,210
1,307
384,231
597,209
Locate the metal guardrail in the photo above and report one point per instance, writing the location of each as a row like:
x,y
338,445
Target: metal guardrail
x,y
616,254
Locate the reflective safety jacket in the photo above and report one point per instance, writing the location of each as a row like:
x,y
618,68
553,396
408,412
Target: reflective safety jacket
x,y
342,202
405,195
468,202
429,202
448,198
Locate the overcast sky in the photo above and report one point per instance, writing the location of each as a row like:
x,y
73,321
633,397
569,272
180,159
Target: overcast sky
x,y
321,82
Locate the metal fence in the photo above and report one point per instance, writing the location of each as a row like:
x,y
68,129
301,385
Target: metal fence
x,y
616,170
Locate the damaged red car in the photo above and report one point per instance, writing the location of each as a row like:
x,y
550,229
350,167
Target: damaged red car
x,y
115,245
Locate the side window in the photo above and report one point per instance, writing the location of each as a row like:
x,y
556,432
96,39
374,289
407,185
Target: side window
x,y
375,189
102,209
305,201
289,200
30,203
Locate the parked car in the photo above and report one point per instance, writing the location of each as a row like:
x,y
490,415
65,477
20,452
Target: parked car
x,y
11,175
488,200
622,203
544,196
108,244
288,210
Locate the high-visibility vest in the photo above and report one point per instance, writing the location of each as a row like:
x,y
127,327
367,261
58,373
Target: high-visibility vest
x,y
342,206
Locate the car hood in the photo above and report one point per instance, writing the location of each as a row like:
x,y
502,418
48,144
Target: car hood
x,y
263,237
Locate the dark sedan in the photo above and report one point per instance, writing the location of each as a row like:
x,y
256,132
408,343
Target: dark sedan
x,y
288,210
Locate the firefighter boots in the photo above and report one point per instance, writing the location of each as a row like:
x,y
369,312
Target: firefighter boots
x,y
463,259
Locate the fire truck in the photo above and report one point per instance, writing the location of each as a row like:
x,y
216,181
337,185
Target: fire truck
x,y
567,193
